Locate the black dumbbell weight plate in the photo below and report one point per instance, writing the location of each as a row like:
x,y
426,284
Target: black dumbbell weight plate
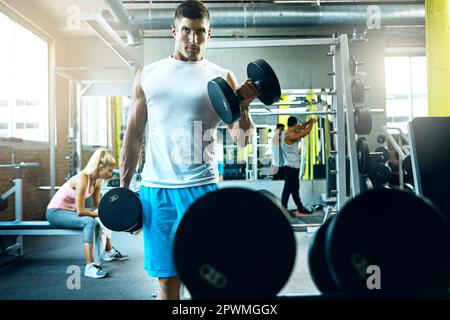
x,y
227,250
120,210
403,235
224,100
270,91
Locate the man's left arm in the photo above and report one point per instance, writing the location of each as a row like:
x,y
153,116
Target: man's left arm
x,y
242,130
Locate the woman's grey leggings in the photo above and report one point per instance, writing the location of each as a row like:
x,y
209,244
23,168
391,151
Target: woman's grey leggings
x,y
70,220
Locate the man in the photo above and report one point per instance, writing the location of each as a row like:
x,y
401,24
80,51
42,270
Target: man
x,y
171,99
277,157
289,146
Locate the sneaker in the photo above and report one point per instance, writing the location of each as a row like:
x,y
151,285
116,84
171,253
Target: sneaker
x,y
113,255
94,271
302,212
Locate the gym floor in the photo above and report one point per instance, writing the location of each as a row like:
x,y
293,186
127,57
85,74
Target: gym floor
x,y
41,273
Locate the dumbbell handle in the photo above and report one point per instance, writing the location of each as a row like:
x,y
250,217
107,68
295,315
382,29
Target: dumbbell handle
x,y
258,85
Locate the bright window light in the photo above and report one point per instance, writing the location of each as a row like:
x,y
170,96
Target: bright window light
x,y
23,82
94,114
406,90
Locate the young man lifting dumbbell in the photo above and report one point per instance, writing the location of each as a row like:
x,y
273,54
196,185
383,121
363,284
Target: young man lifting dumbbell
x,y
170,95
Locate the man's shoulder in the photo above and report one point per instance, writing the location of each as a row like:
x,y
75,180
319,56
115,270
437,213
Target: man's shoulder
x,y
215,66
154,65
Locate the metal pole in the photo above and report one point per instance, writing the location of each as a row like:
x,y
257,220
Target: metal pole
x,y
78,120
348,104
341,183
52,116
255,153
270,43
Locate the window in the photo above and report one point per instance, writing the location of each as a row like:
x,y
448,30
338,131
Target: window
x,y
406,90
23,82
94,115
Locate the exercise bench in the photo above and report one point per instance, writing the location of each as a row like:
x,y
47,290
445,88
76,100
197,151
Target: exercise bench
x,y
20,228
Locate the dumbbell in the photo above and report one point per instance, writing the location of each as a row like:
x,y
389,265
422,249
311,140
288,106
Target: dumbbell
x,y
372,248
222,251
367,160
379,172
120,210
383,152
226,101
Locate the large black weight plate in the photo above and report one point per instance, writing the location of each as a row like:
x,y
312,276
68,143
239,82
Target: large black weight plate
x,y
358,91
405,236
270,91
227,250
362,151
317,263
120,210
363,120
224,100
272,197
353,66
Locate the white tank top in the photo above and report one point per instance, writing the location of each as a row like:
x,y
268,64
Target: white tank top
x,y
182,124
290,153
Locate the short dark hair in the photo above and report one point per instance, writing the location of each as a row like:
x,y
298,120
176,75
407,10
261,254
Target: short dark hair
x,y
280,126
292,121
192,9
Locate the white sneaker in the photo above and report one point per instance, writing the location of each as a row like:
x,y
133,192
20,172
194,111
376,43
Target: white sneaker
x,y
113,254
93,270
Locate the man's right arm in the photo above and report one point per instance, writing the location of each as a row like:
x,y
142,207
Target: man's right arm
x,y
134,134
299,132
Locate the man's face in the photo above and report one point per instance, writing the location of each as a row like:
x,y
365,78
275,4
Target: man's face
x,y
190,38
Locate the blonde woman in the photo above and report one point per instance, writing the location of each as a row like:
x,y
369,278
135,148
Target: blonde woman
x,y
67,208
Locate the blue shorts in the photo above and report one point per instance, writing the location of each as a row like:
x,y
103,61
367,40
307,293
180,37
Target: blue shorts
x,y
163,209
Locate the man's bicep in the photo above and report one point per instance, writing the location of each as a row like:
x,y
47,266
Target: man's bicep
x,y
137,116
140,114
231,79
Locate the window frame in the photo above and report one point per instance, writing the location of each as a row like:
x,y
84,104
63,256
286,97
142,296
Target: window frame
x,y
37,31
